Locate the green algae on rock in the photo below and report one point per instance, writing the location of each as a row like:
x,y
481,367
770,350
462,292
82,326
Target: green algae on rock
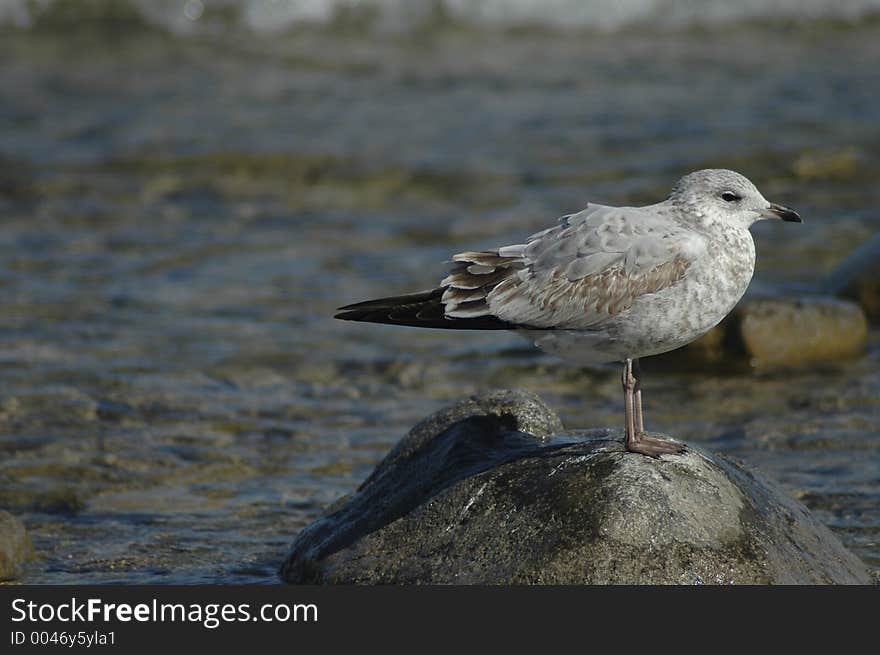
x,y
477,501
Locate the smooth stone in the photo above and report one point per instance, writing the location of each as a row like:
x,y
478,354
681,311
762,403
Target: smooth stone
x,y
16,549
858,278
786,332
472,499
801,331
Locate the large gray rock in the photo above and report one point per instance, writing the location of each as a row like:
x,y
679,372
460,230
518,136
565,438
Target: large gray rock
x,y
16,549
471,497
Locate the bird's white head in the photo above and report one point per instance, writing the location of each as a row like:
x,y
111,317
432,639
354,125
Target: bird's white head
x,y
719,195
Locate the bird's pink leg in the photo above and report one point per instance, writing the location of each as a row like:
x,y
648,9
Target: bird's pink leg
x,y
628,382
637,397
637,440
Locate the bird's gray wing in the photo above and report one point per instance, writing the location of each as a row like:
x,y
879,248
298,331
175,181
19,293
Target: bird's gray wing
x,y
576,275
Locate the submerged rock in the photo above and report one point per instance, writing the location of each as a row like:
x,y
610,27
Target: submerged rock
x,y
16,548
471,497
858,278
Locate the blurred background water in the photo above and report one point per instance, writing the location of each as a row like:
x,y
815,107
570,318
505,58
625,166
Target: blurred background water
x,y
188,190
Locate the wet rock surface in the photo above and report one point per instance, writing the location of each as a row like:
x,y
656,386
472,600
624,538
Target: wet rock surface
x,y
16,549
471,497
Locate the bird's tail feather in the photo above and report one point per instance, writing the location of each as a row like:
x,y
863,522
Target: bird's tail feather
x,y
423,309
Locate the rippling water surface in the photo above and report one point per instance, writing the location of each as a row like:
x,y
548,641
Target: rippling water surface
x,y
181,215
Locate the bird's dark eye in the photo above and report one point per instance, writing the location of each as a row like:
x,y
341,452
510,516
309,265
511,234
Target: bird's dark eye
x,y
730,196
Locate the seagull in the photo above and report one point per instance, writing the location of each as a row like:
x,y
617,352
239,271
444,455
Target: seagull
x,y
607,283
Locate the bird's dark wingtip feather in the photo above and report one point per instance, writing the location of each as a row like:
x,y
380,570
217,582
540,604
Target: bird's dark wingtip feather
x,y
423,309
393,301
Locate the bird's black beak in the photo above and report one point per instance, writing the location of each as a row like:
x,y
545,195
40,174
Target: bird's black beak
x,y
778,211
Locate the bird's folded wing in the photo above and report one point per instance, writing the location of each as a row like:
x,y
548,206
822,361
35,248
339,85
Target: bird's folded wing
x,y
592,266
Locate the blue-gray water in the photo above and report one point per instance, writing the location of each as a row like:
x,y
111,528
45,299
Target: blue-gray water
x,y
182,213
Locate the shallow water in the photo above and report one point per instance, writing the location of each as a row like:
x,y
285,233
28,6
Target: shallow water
x,y
180,217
